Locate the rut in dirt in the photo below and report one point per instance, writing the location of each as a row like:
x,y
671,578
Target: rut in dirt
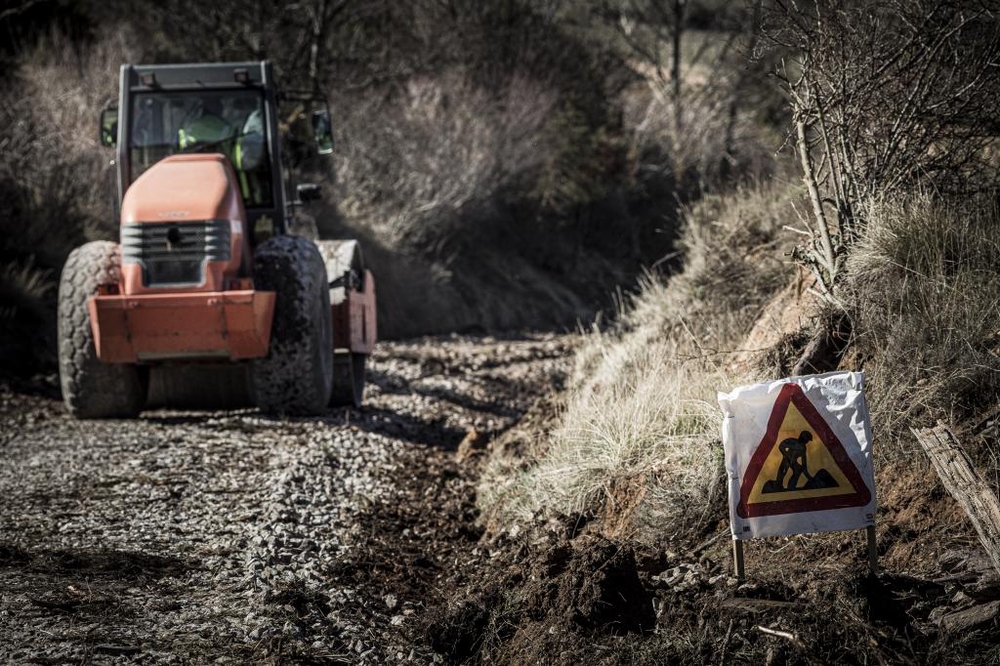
x,y
233,536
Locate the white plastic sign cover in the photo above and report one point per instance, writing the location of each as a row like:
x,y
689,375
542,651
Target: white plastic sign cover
x,y
798,456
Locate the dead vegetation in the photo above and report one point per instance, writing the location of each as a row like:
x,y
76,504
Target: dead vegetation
x,y
886,98
641,408
922,293
507,164
632,452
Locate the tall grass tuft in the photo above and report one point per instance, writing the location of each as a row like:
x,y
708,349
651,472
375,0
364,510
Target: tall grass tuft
x,y
923,294
27,330
641,412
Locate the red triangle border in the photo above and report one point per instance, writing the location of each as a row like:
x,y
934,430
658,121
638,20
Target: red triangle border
x,y
792,393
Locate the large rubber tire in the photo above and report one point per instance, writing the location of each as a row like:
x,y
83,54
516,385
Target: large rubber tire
x,y
345,270
297,374
348,379
92,389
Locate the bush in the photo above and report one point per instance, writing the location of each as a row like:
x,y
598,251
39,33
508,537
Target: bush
x,y
886,97
923,294
420,167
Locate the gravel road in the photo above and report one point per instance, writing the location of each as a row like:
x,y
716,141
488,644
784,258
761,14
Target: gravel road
x,y
234,537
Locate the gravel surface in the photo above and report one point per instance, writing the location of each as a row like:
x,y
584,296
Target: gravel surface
x,y
231,536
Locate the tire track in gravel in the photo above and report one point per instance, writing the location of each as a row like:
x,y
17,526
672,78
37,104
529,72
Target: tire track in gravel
x,y
236,537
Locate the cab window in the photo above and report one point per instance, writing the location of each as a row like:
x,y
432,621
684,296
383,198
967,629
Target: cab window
x,y
226,122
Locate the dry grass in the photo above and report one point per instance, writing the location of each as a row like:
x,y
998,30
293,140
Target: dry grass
x,y
923,294
641,409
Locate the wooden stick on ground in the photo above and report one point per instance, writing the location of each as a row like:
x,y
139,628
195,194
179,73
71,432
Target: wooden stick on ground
x,y
787,635
960,478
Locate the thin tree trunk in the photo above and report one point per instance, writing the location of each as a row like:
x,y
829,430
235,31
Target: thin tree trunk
x,y
809,176
737,94
675,67
317,35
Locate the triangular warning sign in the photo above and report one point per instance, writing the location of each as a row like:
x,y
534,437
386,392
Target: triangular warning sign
x,y
799,465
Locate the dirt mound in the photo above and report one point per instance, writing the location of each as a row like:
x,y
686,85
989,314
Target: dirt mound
x,y
553,596
575,589
541,598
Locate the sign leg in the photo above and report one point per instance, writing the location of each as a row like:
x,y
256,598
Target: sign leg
x,y
872,550
741,574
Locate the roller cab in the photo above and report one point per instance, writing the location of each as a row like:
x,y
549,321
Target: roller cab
x,y
206,270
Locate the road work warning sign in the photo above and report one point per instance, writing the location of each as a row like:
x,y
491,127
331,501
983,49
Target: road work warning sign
x,y
798,456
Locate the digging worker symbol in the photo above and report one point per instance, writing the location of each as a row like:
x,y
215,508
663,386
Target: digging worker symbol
x,y
794,460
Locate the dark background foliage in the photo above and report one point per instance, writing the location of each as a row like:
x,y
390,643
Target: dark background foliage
x,y
507,164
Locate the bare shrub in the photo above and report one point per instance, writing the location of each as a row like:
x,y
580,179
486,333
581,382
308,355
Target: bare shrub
x,y
923,295
642,398
55,180
886,97
701,92
717,140
413,164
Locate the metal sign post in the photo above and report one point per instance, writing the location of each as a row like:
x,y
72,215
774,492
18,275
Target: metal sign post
x,y
872,550
739,562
